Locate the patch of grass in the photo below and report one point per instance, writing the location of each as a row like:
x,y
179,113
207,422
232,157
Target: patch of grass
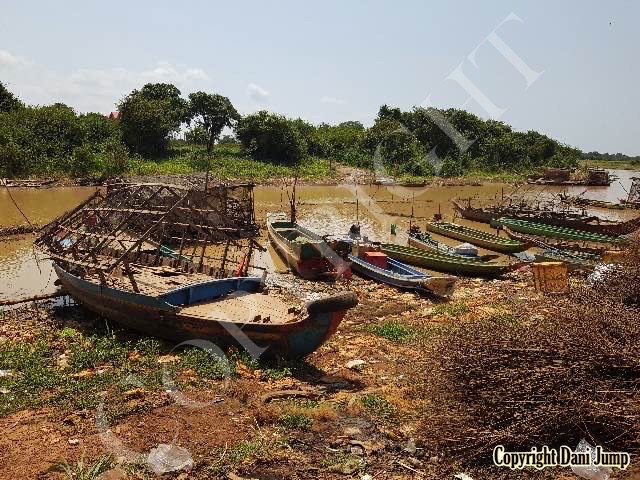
x,y
97,350
207,366
377,405
506,318
394,331
295,421
243,452
452,309
81,470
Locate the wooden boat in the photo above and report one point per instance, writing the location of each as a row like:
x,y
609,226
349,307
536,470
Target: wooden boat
x,y
216,310
476,237
424,241
557,243
587,223
117,254
580,201
304,251
402,276
575,261
443,262
523,226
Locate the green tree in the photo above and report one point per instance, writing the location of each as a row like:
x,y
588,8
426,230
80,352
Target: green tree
x,y
148,117
268,136
212,112
196,135
8,101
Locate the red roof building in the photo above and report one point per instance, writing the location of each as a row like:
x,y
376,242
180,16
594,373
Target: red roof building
x,y
114,115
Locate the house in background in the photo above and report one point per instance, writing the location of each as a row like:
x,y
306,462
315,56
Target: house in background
x,y
114,115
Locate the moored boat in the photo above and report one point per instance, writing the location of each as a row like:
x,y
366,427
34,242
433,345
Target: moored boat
x,y
304,251
553,231
577,221
556,243
443,262
575,261
371,262
476,237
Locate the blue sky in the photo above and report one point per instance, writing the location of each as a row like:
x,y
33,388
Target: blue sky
x,y
333,61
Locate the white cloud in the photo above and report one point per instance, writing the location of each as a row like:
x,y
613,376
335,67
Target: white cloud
x,y
95,89
333,100
257,93
9,60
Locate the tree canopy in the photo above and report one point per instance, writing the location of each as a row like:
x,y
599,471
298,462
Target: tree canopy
x,y
212,112
149,116
8,101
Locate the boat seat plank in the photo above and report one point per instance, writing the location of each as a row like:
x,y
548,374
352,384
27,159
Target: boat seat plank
x,y
242,307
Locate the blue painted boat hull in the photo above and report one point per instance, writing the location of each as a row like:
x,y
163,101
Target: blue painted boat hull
x,y
405,277
162,316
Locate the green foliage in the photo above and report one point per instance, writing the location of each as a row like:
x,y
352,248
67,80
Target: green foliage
x,y
82,161
8,101
96,351
149,116
206,365
267,136
394,331
81,470
197,135
297,421
377,405
452,309
212,112
13,159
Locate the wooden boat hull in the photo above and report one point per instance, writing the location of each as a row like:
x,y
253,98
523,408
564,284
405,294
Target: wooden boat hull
x,y
575,262
412,280
558,244
444,262
307,260
532,228
476,237
590,224
158,317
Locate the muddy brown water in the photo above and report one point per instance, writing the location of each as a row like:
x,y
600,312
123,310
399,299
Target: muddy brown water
x,y
324,209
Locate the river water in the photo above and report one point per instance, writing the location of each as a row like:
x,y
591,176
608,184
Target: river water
x,y
324,209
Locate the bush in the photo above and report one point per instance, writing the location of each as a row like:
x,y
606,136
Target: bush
x,y
13,160
82,161
267,136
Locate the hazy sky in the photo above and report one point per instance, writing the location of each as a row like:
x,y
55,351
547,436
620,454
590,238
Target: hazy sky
x,y
336,60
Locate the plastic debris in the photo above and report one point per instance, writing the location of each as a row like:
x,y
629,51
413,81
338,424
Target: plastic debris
x,y
462,476
590,472
169,458
356,364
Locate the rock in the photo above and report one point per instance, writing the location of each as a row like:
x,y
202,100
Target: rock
x,y
4,391
113,474
356,364
73,441
6,373
352,432
356,450
414,461
410,447
434,459
169,458
366,476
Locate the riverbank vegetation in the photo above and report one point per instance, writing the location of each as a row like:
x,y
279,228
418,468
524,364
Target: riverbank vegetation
x,y
156,131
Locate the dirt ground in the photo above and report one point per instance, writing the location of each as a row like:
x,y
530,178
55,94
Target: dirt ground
x,y
354,409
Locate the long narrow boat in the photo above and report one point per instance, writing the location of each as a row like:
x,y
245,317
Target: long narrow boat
x,y
476,237
425,241
403,276
443,262
577,221
304,251
553,231
575,261
556,243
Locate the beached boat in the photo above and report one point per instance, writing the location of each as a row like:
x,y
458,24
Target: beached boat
x,y
371,262
425,241
305,251
557,243
553,231
575,261
444,262
577,221
476,237
114,256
